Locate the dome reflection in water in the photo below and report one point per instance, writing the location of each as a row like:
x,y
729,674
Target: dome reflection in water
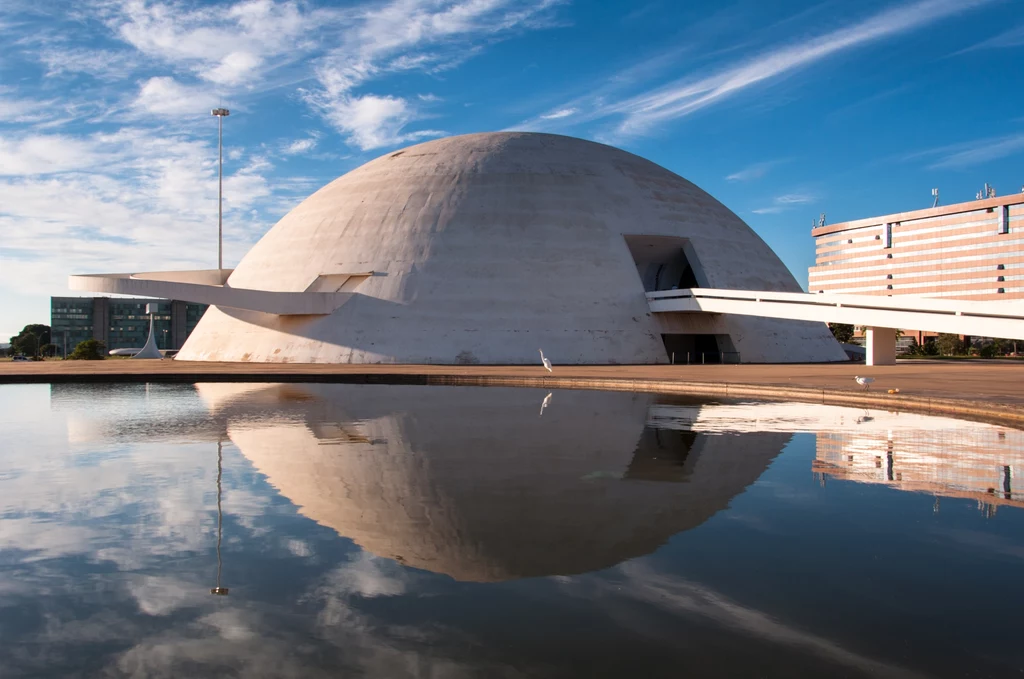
x,y
475,484
408,531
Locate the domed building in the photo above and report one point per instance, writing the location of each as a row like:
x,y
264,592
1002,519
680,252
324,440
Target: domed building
x,y
485,248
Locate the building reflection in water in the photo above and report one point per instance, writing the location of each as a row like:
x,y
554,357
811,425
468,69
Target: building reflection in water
x,y
940,456
474,485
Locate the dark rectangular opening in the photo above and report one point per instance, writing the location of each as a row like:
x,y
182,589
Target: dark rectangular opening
x,y
666,263
694,349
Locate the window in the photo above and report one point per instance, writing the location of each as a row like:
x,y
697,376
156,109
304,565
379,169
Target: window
x,y
888,235
1004,219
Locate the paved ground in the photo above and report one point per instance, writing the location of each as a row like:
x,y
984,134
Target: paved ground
x,y
996,382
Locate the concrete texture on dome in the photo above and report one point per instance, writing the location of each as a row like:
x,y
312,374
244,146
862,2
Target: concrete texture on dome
x,y
473,483
486,247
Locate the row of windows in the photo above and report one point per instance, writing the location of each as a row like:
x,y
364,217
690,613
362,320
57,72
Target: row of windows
x,y
931,278
905,268
140,318
932,251
886,265
906,230
945,293
1001,222
908,244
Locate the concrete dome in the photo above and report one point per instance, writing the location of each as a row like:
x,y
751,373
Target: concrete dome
x,y
486,247
474,484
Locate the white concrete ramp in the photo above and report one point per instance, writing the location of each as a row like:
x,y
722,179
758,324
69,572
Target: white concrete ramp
x,y
879,314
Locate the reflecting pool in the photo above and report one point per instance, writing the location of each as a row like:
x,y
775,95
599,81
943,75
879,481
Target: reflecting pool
x,y
306,530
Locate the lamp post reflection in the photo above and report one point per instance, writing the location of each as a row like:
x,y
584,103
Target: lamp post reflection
x,y
218,590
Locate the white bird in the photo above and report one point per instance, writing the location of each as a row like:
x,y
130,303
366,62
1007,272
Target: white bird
x,y
864,381
545,361
544,404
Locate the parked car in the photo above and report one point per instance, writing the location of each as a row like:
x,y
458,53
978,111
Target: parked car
x,y
21,358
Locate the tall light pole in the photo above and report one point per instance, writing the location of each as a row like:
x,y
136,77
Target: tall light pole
x,y
221,113
218,590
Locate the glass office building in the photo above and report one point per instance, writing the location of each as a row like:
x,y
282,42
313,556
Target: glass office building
x,y
121,323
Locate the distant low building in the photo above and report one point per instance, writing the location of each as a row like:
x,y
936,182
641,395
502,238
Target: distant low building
x,y
121,323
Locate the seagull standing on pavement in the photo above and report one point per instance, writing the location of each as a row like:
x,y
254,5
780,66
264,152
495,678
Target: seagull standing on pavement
x,y
545,361
864,381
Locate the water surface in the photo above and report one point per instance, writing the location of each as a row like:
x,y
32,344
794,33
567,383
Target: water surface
x,y
395,531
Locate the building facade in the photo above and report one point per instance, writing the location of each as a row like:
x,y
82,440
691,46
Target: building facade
x,y
121,323
972,251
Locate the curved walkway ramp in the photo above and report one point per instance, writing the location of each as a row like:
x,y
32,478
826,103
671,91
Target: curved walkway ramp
x,y
881,315
324,294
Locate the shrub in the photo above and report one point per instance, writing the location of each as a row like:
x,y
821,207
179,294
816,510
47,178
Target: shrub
x,y
89,350
842,331
949,344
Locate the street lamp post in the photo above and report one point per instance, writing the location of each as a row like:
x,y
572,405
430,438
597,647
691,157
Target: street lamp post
x,y
221,113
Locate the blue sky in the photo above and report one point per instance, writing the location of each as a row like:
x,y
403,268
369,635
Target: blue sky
x,y
780,110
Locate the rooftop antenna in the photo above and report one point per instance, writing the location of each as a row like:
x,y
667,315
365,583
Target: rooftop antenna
x,y
821,219
990,191
935,195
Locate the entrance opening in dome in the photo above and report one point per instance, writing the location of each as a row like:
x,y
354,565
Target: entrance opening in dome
x,y
666,262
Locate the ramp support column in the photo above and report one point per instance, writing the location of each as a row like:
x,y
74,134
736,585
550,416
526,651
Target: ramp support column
x,y
881,346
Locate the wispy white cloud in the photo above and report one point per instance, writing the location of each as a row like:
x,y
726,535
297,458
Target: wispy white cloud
x,y
165,96
677,596
973,153
785,202
104,64
403,35
639,113
224,45
1013,37
301,146
368,121
47,154
560,113
753,171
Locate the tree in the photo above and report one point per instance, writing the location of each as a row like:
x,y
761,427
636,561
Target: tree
x,y
48,350
30,338
841,331
949,344
89,350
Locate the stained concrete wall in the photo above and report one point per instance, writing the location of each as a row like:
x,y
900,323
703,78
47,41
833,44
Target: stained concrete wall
x,y
492,246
